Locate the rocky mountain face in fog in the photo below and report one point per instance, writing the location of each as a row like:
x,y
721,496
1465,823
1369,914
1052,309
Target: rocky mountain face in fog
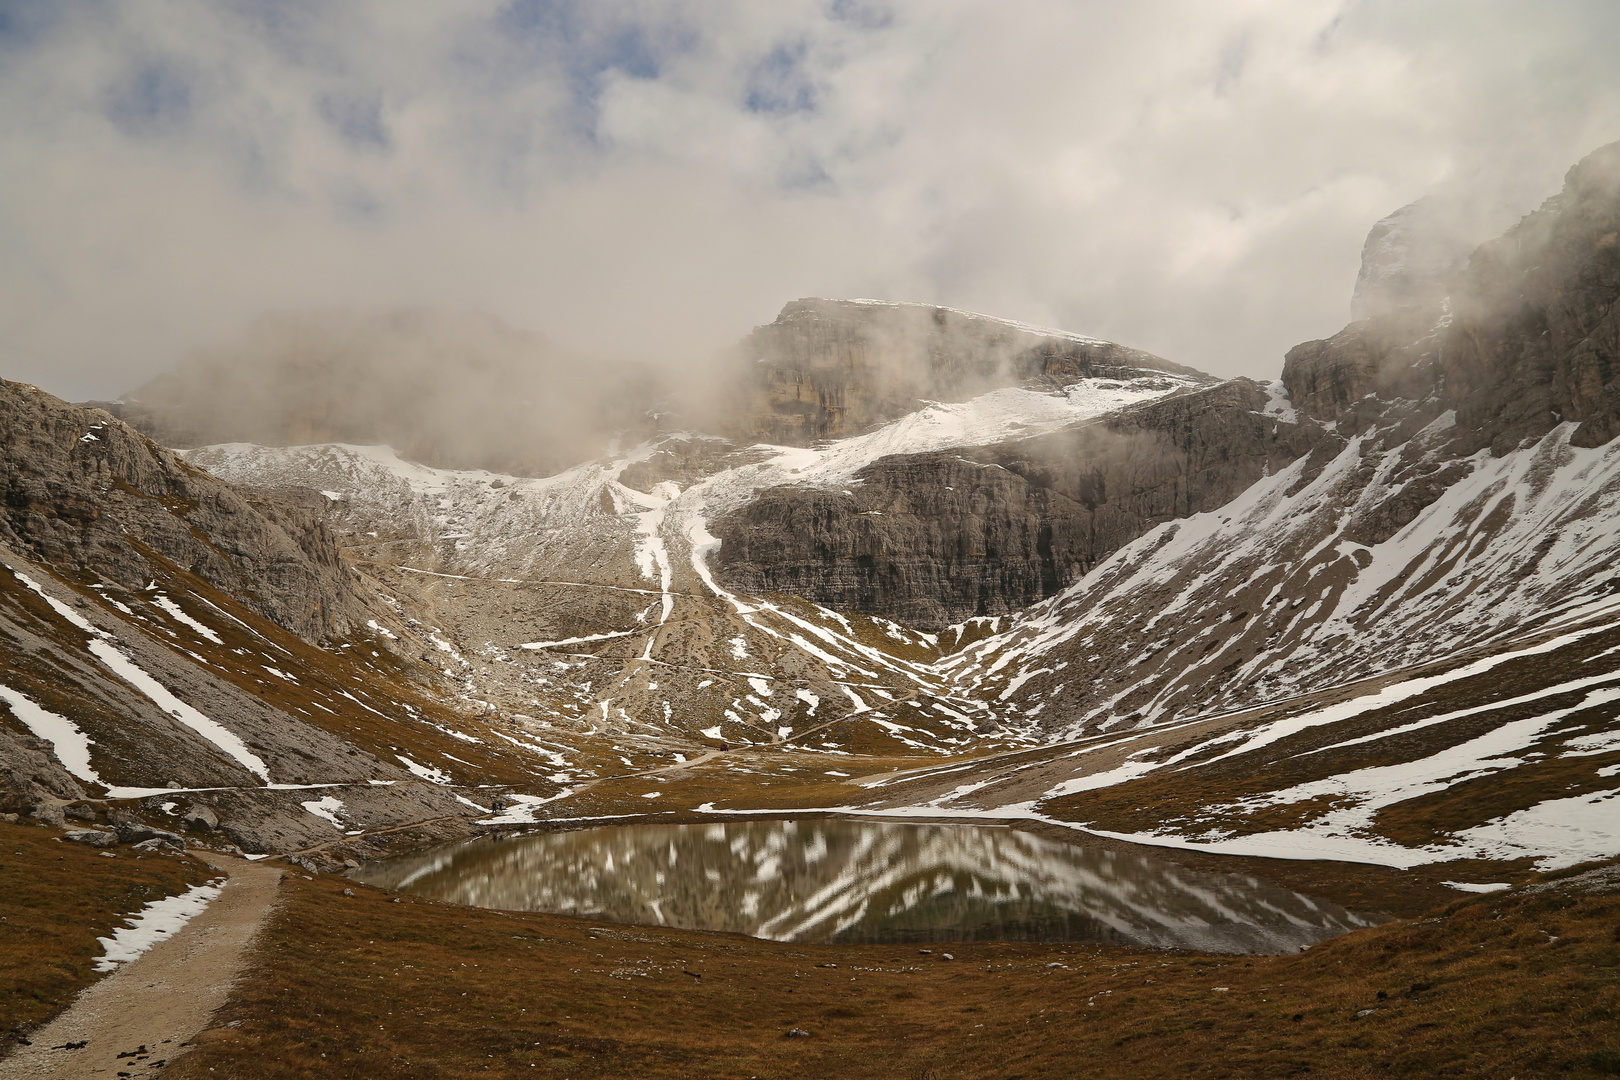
x,y
1526,339
1409,258
826,369
933,539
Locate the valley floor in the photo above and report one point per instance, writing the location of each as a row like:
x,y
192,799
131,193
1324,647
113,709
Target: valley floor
x,y
1520,984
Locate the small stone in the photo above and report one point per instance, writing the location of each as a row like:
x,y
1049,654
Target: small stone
x,y
1364,1013
348,892
926,952
160,843
797,1033
947,956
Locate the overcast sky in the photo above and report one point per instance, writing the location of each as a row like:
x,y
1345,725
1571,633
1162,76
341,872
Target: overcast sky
x,y
653,177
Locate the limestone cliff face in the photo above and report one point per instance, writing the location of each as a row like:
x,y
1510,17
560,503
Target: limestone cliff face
x,y
932,539
826,369
85,492
1528,338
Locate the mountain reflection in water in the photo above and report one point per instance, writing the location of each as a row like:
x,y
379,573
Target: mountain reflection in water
x,y
854,881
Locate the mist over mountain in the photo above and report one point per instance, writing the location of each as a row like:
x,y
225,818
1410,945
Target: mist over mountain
x,y
455,389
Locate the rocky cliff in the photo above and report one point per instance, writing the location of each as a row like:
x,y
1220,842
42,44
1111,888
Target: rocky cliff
x,y
826,369
1526,339
932,539
86,493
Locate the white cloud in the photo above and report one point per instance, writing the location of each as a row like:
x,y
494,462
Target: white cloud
x,y
1191,178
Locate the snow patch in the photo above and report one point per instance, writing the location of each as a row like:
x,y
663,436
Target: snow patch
x,y
153,923
71,745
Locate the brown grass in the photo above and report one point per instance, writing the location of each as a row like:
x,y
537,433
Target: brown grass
x,y
364,987
56,898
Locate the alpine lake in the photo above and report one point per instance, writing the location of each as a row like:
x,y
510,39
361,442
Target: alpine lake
x,y
879,882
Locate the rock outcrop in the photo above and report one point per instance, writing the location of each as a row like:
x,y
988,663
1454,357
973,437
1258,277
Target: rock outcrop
x,y
826,369
932,539
85,492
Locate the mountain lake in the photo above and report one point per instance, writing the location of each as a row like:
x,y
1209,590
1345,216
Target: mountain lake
x,y
834,880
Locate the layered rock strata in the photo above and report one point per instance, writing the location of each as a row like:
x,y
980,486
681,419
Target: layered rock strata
x,y
932,539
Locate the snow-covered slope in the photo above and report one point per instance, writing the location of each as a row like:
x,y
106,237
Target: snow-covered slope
x,y
1284,590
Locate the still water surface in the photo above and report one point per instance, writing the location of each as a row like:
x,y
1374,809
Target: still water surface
x,y
858,881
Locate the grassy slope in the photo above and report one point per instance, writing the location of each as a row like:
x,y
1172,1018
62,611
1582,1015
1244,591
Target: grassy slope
x,y
363,987
56,898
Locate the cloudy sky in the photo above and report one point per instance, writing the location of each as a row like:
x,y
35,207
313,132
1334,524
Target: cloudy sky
x,y
653,177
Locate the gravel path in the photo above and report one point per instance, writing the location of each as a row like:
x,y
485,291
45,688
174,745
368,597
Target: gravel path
x,y
137,1018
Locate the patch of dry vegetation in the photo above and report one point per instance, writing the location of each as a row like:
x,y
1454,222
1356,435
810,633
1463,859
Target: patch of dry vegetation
x,y
1520,984
56,899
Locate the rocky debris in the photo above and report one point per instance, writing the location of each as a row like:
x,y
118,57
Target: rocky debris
x,y
262,821
685,461
170,843
141,833
826,369
94,837
84,492
934,539
1595,882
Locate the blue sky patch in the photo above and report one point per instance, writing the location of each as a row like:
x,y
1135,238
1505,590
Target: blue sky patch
x,y
779,85
154,99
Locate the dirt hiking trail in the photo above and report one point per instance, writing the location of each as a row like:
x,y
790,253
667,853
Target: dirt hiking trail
x,y
137,1018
